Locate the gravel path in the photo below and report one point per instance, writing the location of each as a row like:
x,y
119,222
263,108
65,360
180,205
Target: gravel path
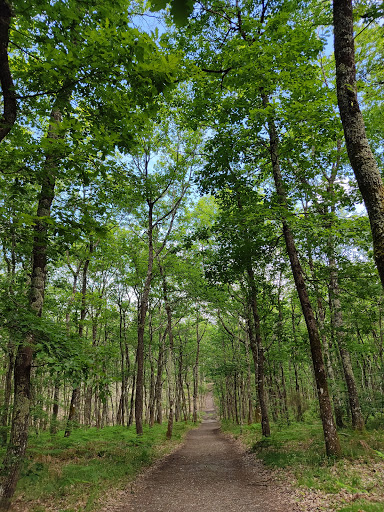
x,y
209,473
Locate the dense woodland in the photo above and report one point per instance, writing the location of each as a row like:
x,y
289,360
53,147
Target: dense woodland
x,y
181,204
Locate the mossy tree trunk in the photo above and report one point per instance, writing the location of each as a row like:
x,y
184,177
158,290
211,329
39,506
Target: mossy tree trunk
x,y
360,155
24,356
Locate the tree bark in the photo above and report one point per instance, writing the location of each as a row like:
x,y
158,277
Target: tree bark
x,y
72,411
133,394
7,394
332,444
72,415
120,419
336,312
8,118
196,374
298,399
151,399
171,391
360,154
14,456
143,308
55,409
354,404
257,350
337,401
159,381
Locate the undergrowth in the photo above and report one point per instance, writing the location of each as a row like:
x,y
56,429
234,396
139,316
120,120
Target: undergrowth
x,y
298,448
74,472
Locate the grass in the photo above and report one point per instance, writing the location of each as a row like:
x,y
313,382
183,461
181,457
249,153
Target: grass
x,y
74,472
361,506
298,450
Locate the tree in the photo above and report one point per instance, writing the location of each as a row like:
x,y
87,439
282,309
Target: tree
x,y
359,152
242,36
54,68
8,116
161,188
24,356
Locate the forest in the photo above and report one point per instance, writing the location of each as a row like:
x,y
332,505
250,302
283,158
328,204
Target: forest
x,y
191,202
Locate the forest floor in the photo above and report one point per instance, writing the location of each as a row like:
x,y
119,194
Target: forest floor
x,y
217,468
210,472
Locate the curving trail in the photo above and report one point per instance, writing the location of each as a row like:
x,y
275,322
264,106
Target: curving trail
x,y
209,474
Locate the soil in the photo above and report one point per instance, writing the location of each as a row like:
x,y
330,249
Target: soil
x,y
210,473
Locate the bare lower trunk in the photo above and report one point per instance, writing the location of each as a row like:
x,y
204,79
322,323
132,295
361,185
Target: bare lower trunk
x,y
256,345
171,391
249,385
7,395
337,401
120,418
133,394
299,405
159,382
20,419
73,408
55,409
88,406
196,380
354,404
151,400
139,399
72,415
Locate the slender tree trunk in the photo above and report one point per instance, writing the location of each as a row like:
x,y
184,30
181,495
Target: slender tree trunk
x,y
335,306
171,392
105,410
159,381
75,399
258,356
337,401
7,394
330,434
55,409
88,392
72,416
120,419
284,395
188,386
182,401
299,415
249,385
354,404
151,400
139,400
196,374
280,330
298,400
132,404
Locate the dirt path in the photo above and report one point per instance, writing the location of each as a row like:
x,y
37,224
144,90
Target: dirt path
x,y
209,473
